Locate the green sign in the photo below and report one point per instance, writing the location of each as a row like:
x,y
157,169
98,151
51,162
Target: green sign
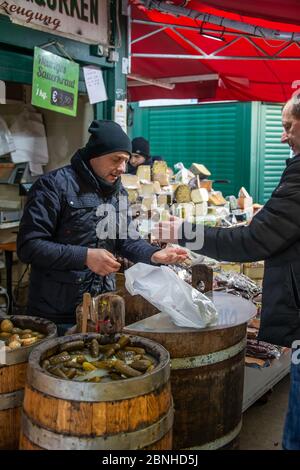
x,y
55,82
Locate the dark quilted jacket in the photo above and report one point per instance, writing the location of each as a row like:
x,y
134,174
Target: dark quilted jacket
x,y
273,235
63,212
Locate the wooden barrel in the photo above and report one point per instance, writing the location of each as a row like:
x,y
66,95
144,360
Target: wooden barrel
x,y
207,377
12,380
135,413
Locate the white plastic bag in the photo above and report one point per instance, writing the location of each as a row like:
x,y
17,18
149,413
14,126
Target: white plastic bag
x,y
30,139
165,290
184,175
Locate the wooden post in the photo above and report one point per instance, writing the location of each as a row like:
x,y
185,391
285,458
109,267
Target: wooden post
x,y
85,311
201,272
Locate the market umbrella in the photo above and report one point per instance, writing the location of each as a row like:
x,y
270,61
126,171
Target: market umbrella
x,y
244,57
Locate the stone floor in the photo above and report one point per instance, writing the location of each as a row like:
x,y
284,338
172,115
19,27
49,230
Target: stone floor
x,y
263,422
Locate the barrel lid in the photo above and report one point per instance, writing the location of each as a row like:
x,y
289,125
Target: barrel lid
x,y
232,311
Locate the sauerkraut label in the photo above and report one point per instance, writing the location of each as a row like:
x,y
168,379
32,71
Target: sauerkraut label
x,y
55,82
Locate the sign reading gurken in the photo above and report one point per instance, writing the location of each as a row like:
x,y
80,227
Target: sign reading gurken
x,y
83,20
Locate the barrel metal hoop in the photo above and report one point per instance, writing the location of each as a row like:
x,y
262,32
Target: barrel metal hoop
x,y
11,400
221,442
193,362
17,356
132,440
97,392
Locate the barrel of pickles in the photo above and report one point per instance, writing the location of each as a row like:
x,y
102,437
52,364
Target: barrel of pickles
x,y
98,392
207,373
19,335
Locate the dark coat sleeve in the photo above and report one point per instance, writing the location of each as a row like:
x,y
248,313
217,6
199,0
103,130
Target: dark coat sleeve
x,y
271,231
35,242
130,244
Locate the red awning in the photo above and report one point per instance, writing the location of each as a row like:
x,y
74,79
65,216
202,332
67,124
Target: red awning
x,y
242,66
286,11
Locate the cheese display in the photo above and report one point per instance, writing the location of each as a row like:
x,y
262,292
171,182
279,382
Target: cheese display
x,y
216,199
164,199
160,172
156,187
130,181
244,200
183,210
201,170
199,195
149,202
146,189
144,172
207,184
183,193
132,195
201,208
187,194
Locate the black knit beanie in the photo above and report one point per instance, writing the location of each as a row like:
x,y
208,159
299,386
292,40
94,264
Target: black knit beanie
x,y
106,137
141,146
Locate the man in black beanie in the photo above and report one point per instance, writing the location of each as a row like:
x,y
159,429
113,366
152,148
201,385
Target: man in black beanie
x,y
75,222
140,154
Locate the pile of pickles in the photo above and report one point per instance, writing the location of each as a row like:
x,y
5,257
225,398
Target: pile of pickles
x,y
15,338
99,360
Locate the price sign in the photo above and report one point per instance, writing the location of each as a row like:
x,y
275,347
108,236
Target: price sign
x,y
55,82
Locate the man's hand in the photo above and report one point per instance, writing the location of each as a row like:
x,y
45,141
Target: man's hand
x,y
101,261
167,232
169,255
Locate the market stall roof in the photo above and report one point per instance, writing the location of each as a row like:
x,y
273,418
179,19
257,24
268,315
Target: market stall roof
x,y
273,10
189,49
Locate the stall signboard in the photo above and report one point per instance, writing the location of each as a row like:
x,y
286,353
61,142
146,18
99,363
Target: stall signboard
x,y
82,20
55,82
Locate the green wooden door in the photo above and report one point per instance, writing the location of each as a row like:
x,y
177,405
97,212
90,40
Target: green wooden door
x,y
217,135
272,154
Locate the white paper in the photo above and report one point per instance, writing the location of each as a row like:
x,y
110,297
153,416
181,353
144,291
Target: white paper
x,y
36,169
94,84
121,113
29,136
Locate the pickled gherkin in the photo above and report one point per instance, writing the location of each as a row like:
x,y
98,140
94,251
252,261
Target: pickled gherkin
x,y
72,346
141,365
94,348
15,337
99,359
60,358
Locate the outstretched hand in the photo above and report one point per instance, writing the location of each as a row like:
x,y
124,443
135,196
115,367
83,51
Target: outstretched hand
x,y
169,255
